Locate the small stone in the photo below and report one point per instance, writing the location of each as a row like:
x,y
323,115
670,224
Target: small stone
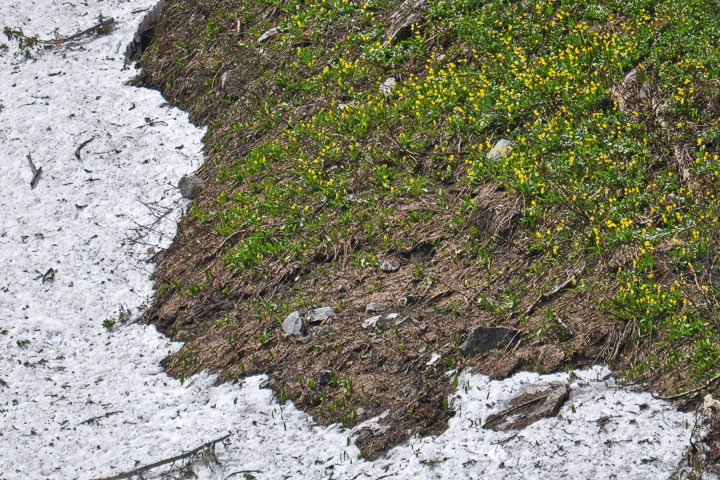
x,y
433,359
482,339
190,185
410,13
268,34
500,150
324,377
292,325
645,91
318,315
373,307
373,322
388,86
388,267
392,316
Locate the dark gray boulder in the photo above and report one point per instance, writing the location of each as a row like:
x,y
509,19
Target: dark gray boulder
x,y
483,339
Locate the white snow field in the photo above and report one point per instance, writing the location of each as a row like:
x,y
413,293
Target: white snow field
x,y
79,400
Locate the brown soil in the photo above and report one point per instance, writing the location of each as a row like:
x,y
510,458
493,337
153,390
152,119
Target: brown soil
x,y
232,326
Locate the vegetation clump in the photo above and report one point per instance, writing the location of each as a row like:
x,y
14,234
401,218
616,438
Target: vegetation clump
x,y
334,145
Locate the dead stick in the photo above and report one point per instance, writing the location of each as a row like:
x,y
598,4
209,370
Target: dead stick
x,y
548,295
691,392
35,171
82,145
103,23
143,469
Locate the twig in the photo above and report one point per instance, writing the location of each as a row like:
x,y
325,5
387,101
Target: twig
x,y
102,24
690,392
242,471
82,145
94,419
35,171
182,456
548,295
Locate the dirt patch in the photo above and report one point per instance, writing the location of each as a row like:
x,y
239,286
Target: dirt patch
x,y
462,257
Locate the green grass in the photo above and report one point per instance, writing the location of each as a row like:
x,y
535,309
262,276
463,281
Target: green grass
x,y
596,182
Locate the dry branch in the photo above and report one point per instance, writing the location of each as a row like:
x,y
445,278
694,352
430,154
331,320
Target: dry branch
x,y
691,392
35,171
82,145
103,24
160,463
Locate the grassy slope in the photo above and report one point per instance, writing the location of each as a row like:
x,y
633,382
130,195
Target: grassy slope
x,y
595,235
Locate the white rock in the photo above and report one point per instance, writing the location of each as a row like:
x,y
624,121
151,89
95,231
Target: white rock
x,y
433,359
373,307
373,322
388,86
500,150
292,325
317,315
268,34
388,267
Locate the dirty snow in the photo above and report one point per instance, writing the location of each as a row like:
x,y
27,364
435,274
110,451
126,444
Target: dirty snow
x,y
79,400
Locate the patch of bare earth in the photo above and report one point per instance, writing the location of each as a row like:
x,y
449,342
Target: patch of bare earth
x,y
338,369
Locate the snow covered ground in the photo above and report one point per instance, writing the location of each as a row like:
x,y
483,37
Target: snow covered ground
x,y
79,400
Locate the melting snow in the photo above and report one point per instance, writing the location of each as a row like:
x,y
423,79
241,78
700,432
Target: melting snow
x,y
78,400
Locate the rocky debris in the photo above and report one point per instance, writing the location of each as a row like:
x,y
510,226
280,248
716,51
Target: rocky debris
x,y
319,315
374,307
629,90
388,267
711,406
268,34
433,359
226,78
500,150
324,377
483,339
388,86
410,12
293,325
190,185
529,408
373,322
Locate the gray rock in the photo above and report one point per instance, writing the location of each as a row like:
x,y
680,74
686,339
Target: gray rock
x,y
433,359
482,339
645,91
373,322
318,315
531,406
268,34
388,86
409,13
500,150
190,185
293,325
373,307
324,377
388,267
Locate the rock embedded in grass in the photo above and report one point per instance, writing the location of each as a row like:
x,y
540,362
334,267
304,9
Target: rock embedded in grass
x,y
388,86
373,322
319,315
373,307
268,34
190,185
293,325
388,267
500,150
483,339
